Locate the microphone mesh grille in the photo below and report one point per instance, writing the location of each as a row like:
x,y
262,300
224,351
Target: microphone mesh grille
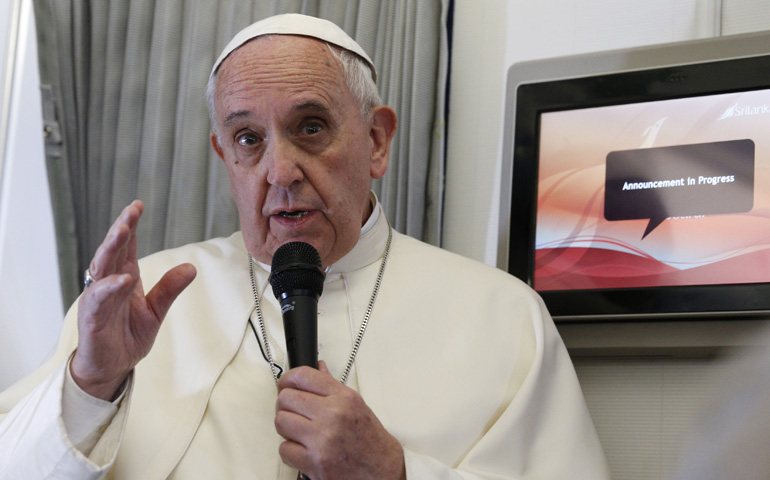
x,y
296,266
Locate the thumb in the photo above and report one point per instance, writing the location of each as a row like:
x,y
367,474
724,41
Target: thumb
x,y
322,367
169,287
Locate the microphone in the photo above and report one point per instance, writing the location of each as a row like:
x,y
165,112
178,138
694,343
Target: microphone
x,y
297,278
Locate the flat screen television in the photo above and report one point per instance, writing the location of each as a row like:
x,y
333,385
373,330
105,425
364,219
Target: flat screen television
x,y
639,184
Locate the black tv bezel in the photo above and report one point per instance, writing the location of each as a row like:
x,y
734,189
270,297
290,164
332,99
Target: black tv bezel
x,y
597,90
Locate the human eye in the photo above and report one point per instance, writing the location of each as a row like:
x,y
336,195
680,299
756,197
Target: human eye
x,y
312,127
247,139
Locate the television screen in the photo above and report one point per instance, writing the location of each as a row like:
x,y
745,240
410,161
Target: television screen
x,y
645,192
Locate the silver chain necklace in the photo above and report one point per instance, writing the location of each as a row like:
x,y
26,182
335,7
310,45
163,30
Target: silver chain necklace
x,y
361,330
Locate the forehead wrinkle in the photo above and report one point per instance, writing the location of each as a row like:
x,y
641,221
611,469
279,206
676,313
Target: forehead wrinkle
x,y
285,60
283,65
282,60
239,95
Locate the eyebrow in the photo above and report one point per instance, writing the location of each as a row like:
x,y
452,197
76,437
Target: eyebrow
x,y
306,106
235,115
310,106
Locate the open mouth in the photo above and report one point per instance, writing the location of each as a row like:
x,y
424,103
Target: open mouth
x,y
293,215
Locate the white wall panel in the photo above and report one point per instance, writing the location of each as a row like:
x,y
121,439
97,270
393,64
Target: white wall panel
x,y
30,299
6,14
605,24
644,409
743,16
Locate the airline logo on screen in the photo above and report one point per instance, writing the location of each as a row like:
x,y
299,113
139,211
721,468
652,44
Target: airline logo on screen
x,y
736,110
678,181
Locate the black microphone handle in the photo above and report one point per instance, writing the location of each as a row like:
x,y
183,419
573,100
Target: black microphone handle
x,y
300,325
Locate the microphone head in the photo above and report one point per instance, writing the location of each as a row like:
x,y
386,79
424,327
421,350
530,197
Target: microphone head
x,y
297,266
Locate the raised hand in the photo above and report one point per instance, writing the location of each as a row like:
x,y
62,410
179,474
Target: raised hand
x,y
117,322
330,432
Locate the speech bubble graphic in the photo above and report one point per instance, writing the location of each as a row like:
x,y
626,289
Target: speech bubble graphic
x,y
679,181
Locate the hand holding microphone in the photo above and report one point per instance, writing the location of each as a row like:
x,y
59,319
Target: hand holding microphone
x,y
297,278
315,412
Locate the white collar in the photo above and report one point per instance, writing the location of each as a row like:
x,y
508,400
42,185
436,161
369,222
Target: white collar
x,y
370,245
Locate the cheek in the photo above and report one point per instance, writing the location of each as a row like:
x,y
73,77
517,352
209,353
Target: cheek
x,y
245,190
255,228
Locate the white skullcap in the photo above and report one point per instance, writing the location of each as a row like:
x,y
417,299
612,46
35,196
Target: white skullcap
x,y
296,24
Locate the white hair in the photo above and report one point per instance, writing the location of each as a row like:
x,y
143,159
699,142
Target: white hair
x,y
358,77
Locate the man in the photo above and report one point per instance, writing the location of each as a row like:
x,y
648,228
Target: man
x,y
432,366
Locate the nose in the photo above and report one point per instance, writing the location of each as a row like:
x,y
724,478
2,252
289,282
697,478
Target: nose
x,y
283,164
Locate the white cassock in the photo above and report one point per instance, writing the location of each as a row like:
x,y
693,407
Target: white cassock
x,y
460,362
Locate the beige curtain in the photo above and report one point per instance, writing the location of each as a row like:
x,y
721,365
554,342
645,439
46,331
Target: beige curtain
x,y
125,117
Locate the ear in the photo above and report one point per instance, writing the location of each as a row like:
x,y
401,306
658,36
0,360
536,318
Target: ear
x,y
217,147
383,127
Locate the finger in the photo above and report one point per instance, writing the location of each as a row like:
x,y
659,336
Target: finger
x,y
298,402
296,456
112,252
169,287
131,250
298,434
105,261
101,297
293,426
322,367
127,248
318,382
